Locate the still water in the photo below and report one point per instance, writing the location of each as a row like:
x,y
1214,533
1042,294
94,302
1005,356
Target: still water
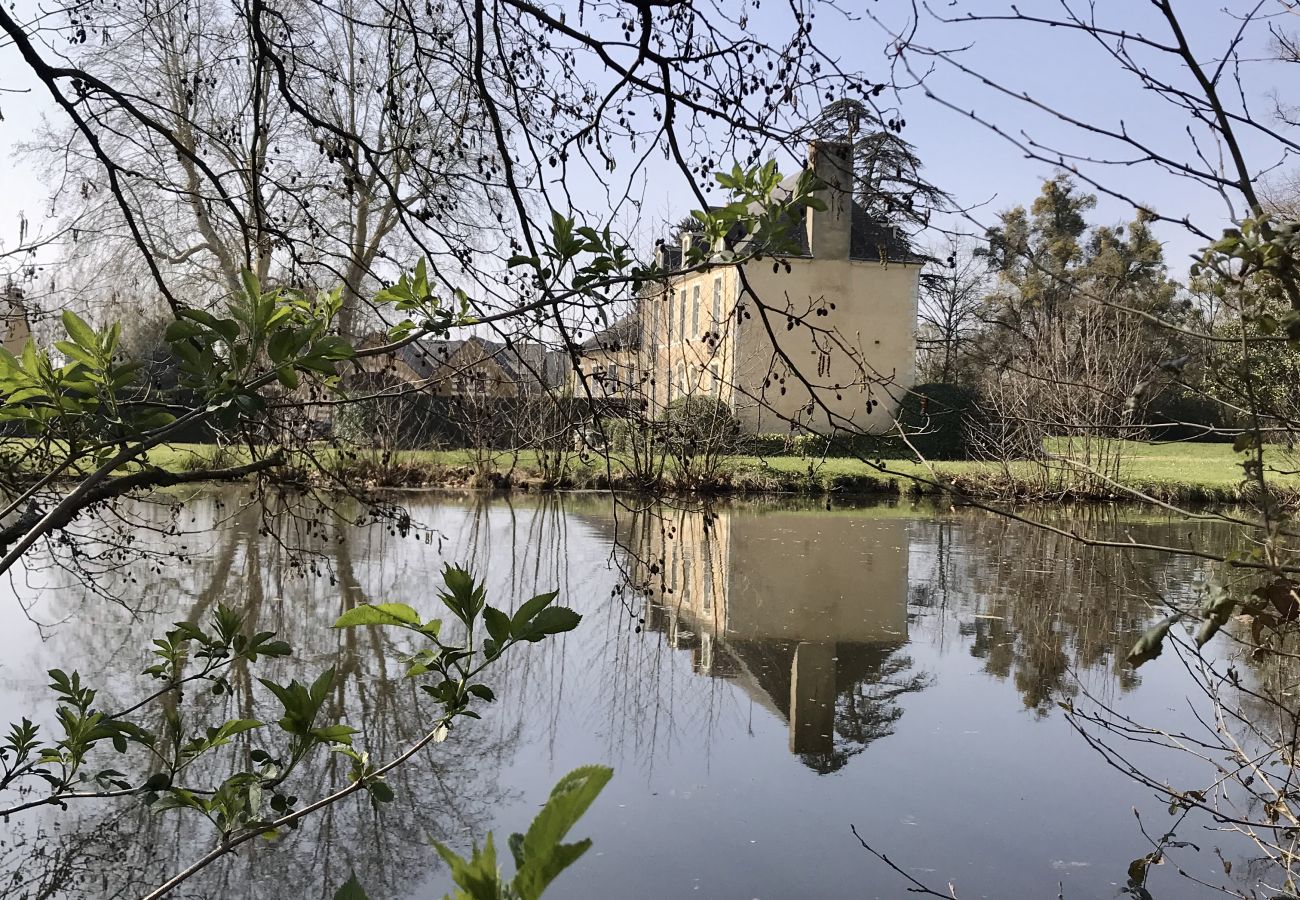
x,y
760,675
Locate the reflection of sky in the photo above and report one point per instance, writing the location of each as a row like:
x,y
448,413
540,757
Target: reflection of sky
x,y
707,799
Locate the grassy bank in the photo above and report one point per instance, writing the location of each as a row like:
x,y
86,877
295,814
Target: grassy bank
x,y
1170,472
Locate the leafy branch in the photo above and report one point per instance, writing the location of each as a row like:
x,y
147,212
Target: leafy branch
x,y
256,801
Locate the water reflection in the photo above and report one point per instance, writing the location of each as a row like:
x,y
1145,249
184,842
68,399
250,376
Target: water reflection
x,y
752,599
1044,610
297,595
744,667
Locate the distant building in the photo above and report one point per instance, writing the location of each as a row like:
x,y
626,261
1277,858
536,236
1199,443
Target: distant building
x,y
472,368
609,363
841,314
15,326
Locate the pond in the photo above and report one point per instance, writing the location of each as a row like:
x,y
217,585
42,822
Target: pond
x,y
765,678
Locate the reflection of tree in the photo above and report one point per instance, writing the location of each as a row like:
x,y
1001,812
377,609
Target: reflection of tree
x,y
125,847
37,862
869,682
1045,608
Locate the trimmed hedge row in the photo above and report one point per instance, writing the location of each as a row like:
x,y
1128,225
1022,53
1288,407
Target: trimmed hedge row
x,y
937,419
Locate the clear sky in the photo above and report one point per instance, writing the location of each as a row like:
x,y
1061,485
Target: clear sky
x,y
981,169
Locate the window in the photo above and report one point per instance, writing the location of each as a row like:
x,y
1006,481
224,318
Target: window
x,y
681,319
695,312
708,575
717,303
715,384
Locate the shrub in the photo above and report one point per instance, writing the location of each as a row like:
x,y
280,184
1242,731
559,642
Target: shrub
x,y
704,422
1186,416
620,433
767,444
697,432
940,420
866,446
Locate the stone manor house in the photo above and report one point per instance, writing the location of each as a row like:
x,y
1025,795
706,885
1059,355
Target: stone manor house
x,y
823,338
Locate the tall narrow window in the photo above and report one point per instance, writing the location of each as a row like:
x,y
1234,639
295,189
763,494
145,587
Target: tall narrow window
x,y
681,319
715,383
707,575
695,312
717,303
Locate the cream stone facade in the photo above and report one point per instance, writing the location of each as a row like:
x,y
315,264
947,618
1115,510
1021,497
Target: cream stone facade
x,y
608,363
822,339
15,328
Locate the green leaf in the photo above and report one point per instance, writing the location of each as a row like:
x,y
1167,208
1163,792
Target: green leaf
x,y
543,856
320,687
498,624
77,352
237,726
477,876
1216,611
524,614
154,418
181,330
312,364
251,285
482,691
351,890
463,596
381,790
157,782
79,331
279,345
1150,645
553,620
334,734
379,614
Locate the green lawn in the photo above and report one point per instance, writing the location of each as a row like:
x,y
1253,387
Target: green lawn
x,y
1167,471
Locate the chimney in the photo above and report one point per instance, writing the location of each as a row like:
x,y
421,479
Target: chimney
x,y
829,231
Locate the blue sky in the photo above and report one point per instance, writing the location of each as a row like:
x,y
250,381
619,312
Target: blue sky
x,y
978,167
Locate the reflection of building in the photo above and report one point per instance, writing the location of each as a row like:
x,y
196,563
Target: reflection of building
x,y
807,611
